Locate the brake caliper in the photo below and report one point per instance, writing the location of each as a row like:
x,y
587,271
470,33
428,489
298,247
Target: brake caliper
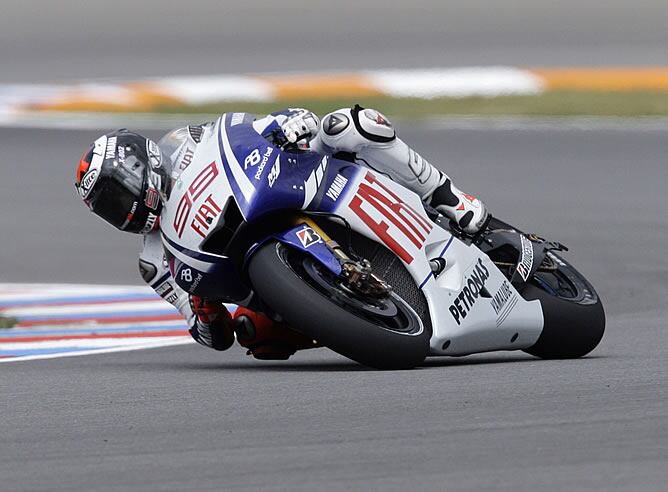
x,y
358,278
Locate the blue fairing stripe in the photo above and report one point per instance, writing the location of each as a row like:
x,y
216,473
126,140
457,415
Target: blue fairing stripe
x,y
161,280
193,254
238,195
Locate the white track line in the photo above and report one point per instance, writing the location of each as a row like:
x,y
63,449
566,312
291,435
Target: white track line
x,y
150,345
456,82
44,292
92,343
85,326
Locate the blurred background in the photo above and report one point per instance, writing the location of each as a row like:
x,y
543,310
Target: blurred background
x,y
49,236
69,39
584,166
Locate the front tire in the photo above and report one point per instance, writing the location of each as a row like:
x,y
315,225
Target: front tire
x,y
389,335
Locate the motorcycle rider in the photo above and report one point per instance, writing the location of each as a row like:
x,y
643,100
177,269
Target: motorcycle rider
x,y
124,178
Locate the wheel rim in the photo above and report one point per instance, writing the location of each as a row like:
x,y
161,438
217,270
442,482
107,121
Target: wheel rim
x,y
565,283
392,314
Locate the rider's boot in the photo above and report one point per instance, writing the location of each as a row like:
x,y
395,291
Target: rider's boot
x,y
267,339
469,212
368,138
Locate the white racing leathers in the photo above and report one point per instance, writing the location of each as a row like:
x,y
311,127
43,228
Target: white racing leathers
x,y
178,148
155,272
371,141
364,136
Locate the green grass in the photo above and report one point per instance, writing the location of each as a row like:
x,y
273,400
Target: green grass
x,y
7,322
552,103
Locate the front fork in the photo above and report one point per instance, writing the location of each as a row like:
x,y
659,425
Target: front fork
x,y
332,245
356,273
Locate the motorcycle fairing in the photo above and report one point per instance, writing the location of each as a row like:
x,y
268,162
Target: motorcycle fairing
x,y
263,177
303,238
301,180
530,255
225,171
474,308
202,274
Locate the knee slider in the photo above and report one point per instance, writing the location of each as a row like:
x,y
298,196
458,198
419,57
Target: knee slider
x,y
372,124
351,129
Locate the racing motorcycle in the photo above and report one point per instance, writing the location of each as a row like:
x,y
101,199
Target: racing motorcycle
x,y
357,262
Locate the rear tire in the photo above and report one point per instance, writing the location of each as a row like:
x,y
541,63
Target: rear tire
x,y
574,320
296,287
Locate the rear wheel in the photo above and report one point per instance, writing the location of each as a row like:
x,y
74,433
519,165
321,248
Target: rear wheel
x,y
382,333
574,320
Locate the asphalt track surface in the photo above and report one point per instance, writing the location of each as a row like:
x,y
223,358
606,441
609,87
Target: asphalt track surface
x,y
72,39
187,418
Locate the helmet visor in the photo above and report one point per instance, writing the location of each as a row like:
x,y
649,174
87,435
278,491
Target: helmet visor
x,y
118,193
115,203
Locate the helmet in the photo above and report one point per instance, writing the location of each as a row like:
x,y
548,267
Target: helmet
x,y
114,180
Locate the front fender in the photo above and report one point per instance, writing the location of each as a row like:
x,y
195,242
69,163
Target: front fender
x,y
302,238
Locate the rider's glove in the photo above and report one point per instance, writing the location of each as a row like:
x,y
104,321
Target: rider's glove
x,y
212,324
301,127
266,339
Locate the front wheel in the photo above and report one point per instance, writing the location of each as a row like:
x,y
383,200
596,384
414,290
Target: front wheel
x,y
573,316
381,333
